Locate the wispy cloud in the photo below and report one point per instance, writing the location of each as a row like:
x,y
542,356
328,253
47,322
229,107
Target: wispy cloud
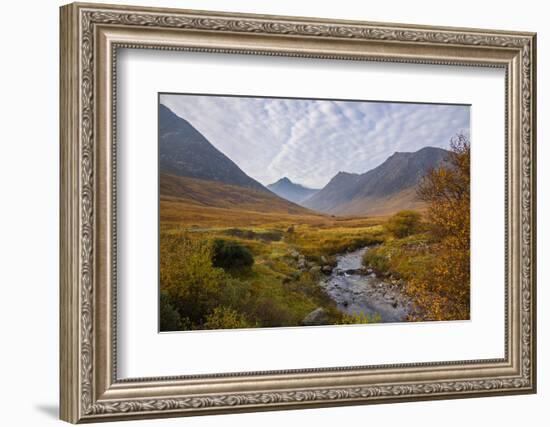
x,y
309,141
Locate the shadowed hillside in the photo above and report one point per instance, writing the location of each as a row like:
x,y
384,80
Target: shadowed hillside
x,y
385,189
184,151
195,172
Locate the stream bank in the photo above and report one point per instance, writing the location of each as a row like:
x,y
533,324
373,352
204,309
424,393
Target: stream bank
x,y
357,290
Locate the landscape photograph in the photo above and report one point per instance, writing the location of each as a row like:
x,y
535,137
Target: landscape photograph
x,y
290,212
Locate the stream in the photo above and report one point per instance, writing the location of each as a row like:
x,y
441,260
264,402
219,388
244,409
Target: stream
x,y
356,292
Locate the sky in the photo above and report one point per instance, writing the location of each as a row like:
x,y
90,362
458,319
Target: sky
x,y
310,141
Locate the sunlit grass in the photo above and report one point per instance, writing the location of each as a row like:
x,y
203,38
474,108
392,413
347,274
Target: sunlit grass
x,y
276,290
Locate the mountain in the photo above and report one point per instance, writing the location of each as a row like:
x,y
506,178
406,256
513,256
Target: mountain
x,y
185,152
212,194
289,190
385,189
194,172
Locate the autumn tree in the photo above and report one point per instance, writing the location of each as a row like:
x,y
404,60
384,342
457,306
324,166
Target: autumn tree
x,y
444,293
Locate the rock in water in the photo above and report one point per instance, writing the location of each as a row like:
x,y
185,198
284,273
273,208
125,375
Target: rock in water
x,y
354,271
327,269
317,317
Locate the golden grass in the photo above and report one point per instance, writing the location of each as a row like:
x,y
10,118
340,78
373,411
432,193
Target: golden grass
x,y
216,194
179,212
278,290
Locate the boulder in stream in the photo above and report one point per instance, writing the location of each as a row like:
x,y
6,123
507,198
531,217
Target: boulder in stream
x,y
327,269
354,271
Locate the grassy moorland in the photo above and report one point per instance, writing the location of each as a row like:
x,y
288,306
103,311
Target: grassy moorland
x,y
232,264
279,287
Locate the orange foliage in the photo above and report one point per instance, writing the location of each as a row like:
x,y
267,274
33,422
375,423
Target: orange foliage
x,y
444,293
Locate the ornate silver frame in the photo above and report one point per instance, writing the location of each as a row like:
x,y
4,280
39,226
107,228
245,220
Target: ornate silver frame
x,y
90,36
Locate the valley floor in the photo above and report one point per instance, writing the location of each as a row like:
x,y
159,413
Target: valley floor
x,y
294,256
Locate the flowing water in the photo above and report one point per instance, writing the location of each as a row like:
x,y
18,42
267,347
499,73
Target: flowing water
x,y
356,292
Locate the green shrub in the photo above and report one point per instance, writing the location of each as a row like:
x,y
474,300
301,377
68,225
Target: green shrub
x,y
376,261
268,236
231,255
403,224
188,277
272,314
235,293
169,317
240,233
225,318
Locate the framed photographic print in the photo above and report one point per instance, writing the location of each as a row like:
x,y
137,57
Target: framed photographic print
x,y
265,212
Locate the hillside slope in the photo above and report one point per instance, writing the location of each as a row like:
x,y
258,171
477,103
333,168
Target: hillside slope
x,y
289,190
385,189
184,151
204,193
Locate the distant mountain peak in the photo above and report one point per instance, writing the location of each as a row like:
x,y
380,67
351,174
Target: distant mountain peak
x,y
289,190
283,180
